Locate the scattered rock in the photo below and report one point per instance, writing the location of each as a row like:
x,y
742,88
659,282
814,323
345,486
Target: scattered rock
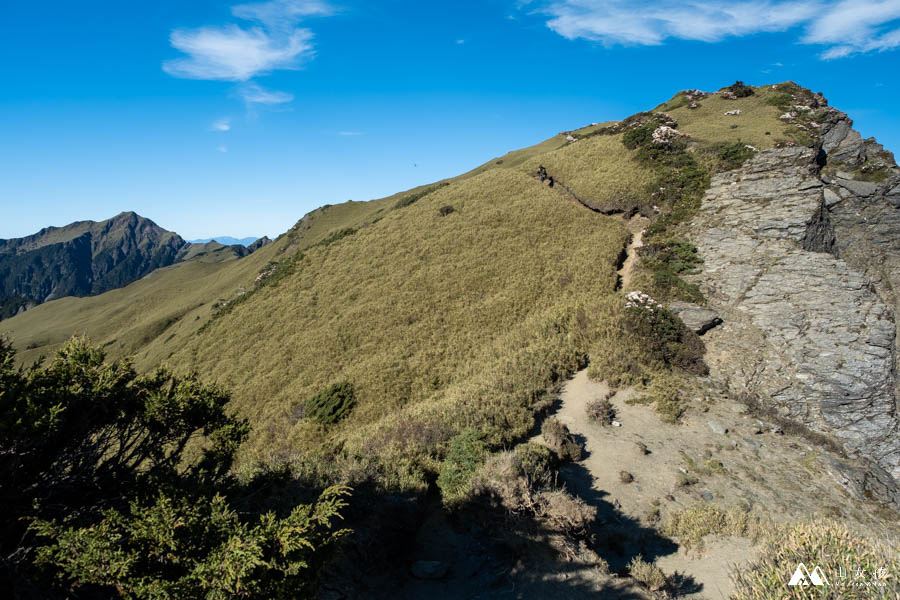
x,y
830,198
706,496
616,424
429,569
864,189
717,427
696,318
734,112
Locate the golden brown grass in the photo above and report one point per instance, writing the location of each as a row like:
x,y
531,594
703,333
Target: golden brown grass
x,y
710,124
599,170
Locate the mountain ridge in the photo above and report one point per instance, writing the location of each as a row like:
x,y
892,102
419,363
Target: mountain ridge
x,y
86,258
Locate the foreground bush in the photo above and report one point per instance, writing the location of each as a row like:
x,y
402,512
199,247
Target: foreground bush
x,y
466,454
118,485
869,568
561,441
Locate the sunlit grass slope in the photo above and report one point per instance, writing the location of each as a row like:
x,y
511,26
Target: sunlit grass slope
x,y
407,308
154,316
450,306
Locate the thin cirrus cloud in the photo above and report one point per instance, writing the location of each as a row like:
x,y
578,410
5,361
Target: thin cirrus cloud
x,y
252,93
239,53
843,27
221,125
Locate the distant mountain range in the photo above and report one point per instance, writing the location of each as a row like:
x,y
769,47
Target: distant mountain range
x,y
227,240
89,257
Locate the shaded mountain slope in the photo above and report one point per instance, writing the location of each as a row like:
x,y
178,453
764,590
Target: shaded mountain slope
x,y
82,259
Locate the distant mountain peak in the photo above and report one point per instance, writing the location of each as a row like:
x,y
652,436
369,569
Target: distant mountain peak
x,y
227,240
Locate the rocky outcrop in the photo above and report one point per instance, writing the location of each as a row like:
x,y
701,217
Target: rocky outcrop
x,y
802,267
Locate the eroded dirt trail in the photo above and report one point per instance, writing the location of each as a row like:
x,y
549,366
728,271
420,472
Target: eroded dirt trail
x,y
636,225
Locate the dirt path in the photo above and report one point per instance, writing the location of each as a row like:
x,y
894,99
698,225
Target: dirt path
x,y
612,450
636,225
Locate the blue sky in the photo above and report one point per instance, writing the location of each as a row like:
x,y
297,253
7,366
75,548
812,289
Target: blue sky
x,y
231,118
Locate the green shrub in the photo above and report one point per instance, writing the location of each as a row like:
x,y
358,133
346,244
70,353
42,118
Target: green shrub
x,y
739,89
119,485
730,156
639,136
336,236
537,464
331,404
466,454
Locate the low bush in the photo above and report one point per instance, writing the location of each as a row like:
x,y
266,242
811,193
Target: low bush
x,y
739,89
600,410
466,454
665,336
561,441
647,574
729,156
331,404
691,525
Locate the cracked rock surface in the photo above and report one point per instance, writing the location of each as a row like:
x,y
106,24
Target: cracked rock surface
x,y
803,274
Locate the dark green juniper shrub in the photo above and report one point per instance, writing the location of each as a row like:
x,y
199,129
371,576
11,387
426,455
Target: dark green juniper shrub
x,y
739,89
331,405
467,452
119,485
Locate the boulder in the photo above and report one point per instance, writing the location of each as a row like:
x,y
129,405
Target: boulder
x,y
697,318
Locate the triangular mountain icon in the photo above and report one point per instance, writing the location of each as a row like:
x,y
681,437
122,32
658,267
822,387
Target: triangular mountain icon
x,y
803,577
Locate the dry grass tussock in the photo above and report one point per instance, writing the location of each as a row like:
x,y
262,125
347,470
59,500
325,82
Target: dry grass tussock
x,y
868,564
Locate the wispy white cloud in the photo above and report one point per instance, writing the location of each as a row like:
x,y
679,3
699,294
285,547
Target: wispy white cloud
x,y
460,42
221,125
280,14
231,52
252,93
222,149
844,27
349,133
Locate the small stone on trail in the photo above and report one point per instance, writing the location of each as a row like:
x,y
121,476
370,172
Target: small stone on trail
x,y
616,424
717,427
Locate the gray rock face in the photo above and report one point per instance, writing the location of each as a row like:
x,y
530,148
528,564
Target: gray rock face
x,y
696,318
803,275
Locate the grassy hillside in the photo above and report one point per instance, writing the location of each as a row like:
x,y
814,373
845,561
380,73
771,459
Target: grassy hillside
x,y
151,317
452,305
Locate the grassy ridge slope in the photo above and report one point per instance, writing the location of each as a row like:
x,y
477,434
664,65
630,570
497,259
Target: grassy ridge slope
x,y
439,322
